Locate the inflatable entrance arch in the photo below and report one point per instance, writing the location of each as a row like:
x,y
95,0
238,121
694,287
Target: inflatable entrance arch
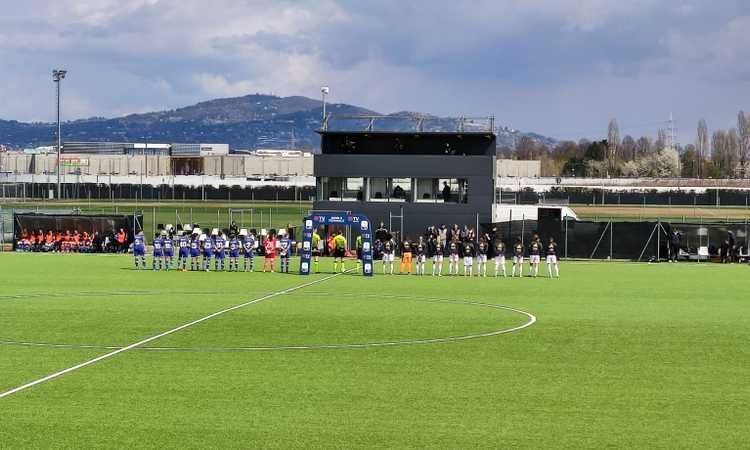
x,y
362,223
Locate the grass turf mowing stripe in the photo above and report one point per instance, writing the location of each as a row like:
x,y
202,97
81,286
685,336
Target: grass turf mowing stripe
x,y
166,333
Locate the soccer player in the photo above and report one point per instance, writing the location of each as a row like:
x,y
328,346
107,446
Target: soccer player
x,y
552,259
468,252
234,254
317,249
158,252
499,257
453,253
249,244
389,249
339,251
183,248
195,250
139,250
535,250
168,247
420,250
405,257
438,251
482,250
285,250
208,251
358,246
270,245
517,258
219,250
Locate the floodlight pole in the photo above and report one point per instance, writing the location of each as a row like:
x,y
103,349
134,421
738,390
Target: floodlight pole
x,y
57,77
324,91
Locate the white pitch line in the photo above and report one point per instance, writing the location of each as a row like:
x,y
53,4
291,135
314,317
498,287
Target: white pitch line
x,y
532,319
158,336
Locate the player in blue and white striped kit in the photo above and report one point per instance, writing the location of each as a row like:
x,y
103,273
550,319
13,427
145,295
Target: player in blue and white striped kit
x,y
234,254
158,252
219,250
168,245
285,250
183,244
248,249
208,251
195,250
139,250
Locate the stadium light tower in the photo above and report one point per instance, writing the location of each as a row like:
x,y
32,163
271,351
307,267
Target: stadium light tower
x,y
57,77
325,90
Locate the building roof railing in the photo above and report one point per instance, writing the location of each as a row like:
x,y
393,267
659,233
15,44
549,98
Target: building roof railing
x,y
414,122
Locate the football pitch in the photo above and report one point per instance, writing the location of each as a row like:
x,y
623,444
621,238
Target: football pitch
x,y
609,355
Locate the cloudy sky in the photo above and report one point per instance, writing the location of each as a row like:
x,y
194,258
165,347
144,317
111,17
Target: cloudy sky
x,y
558,67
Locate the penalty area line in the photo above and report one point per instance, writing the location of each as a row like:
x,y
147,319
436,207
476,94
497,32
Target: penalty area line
x,y
161,335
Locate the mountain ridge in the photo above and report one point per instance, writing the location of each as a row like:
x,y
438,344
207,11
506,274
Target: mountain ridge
x,y
245,122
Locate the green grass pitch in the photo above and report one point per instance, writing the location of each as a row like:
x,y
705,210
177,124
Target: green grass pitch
x,y
622,355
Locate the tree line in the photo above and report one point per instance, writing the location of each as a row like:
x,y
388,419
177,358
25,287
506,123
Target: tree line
x,y
721,154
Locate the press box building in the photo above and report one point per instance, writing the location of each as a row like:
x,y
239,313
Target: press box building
x,y
408,180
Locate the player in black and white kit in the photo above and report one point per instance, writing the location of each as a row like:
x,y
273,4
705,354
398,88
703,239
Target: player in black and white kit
x,y
482,250
499,252
420,254
389,255
535,252
518,252
438,251
468,252
453,251
552,259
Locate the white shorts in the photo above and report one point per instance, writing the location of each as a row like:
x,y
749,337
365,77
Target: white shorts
x,y
437,258
518,260
551,259
482,259
421,258
388,257
534,259
499,260
453,258
468,261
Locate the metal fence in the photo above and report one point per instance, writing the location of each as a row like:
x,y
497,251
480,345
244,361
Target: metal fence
x,y
111,192
581,196
629,240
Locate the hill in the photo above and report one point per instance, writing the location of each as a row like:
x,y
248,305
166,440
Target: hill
x,y
251,121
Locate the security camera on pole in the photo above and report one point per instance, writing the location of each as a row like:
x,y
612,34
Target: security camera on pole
x,y
57,77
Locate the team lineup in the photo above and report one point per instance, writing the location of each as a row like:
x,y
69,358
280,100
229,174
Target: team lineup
x,y
192,249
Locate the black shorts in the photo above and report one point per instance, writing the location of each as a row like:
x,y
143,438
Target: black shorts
x,y
339,252
359,253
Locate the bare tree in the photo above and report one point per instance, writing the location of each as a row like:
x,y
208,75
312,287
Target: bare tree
x,y
701,147
725,150
743,132
628,148
643,146
733,152
661,139
613,142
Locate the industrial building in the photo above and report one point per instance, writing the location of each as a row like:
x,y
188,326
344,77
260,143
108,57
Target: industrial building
x,y
158,160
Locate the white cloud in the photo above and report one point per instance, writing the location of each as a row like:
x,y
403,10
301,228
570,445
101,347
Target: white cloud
x,y
546,65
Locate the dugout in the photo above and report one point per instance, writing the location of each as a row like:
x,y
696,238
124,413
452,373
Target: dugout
x,y
104,224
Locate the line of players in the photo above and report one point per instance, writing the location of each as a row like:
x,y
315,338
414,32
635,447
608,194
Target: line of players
x,y
191,249
457,251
